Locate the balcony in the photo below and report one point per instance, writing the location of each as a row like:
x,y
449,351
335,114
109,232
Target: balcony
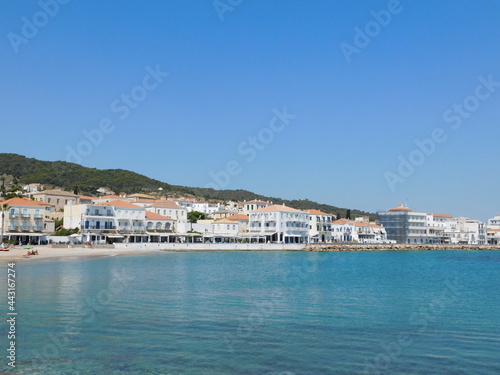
x,y
100,214
93,227
37,216
25,215
13,228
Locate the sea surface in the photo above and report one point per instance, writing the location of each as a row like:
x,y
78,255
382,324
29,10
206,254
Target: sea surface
x,y
272,313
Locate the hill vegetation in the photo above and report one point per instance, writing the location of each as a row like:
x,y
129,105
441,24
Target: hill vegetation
x,y
74,177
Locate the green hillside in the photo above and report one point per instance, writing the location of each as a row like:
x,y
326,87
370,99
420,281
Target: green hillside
x,y
87,180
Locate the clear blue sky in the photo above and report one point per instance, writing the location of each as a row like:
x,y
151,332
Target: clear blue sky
x,y
226,76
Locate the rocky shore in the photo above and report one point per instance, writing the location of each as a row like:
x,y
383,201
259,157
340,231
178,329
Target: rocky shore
x,y
395,247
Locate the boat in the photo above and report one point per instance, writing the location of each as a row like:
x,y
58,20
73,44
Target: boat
x,y
4,249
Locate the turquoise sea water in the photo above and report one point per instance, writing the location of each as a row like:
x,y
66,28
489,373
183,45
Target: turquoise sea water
x,y
273,313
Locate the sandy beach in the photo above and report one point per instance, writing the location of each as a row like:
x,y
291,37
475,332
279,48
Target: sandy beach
x,y
46,252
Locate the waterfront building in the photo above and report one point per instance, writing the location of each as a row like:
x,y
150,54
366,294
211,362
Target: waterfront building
x,y
169,209
26,221
493,230
403,225
114,221
279,223
320,226
466,231
359,230
158,227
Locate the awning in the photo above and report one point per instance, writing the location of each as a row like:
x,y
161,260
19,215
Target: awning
x,y
115,236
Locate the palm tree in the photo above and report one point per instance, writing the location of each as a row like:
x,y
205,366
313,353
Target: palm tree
x,y
4,208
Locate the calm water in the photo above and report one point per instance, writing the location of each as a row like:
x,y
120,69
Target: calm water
x,y
260,313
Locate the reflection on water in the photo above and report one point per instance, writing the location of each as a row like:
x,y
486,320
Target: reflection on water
x,y
261,313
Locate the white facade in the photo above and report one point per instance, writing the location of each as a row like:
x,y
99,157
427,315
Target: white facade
x,y
358,230
280,224
320,226
169,209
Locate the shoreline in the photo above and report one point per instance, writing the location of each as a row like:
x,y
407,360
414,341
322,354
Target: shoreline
x,y
47,252
397,247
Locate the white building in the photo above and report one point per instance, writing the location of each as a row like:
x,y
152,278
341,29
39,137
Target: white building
x,y
359,230
493,230
169,209
114,221
280,224
320,226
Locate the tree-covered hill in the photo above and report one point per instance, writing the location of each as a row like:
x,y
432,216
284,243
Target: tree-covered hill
x,y
70,176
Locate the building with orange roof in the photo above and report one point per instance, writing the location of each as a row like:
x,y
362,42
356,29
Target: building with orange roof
x,y
25,221
57,197
280,224
406,226
158,225
359,230
107,222
169,209
320,226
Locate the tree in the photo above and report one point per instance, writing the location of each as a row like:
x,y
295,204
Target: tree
x,y
5,207
348,215
338,216
194,216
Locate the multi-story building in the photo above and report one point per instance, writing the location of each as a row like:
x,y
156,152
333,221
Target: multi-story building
x,y
26,221
169,209
280,224
320,226
404,225
466,231
58,198
493,230
359,230
114,221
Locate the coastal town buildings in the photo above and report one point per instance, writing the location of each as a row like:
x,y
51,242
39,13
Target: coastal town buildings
x,y
359,230
167,208
279,223
26,221
320,226
403,225
407,226
493,230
